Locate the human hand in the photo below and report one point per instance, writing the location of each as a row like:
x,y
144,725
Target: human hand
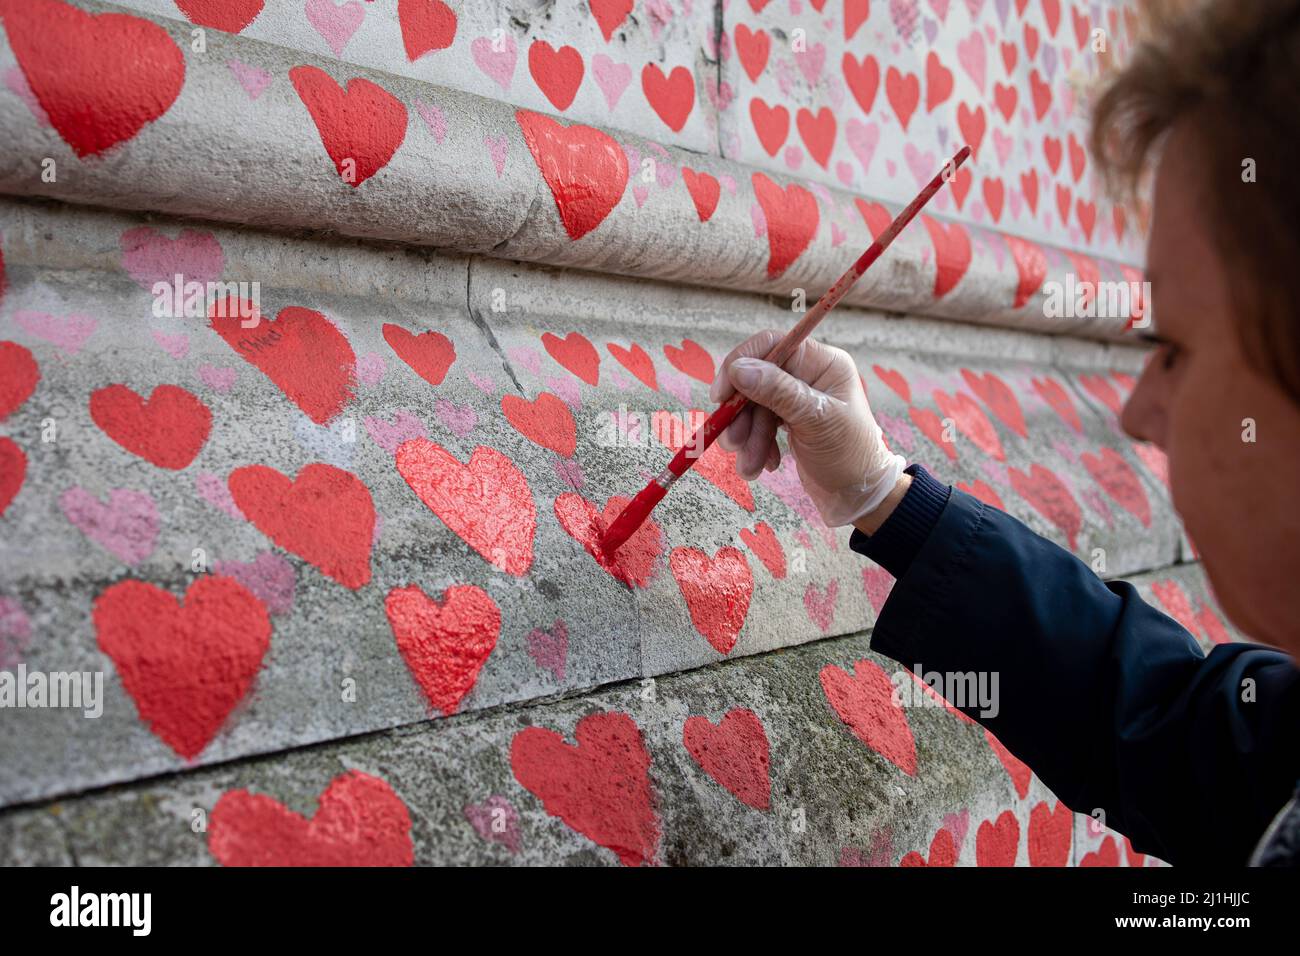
x,y
837,445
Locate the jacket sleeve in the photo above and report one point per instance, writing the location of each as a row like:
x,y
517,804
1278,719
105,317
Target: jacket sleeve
x,y
1110,702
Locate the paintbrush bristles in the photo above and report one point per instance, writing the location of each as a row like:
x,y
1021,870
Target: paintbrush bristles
x,y
639,508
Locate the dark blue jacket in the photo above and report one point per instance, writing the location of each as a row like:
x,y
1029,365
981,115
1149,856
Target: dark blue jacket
x,y
1109,701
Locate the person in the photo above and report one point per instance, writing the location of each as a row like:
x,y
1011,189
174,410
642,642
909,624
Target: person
x,y
1113,705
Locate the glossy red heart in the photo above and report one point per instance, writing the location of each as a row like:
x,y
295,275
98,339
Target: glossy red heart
x,y
546,421
486,502
169,429
359,821
99,77
302,352
717,592
427,25
444,643
585,169
705,191
865,701
637,361
767,547
634,562
997,843
599,787
576,353
186,666
232,16
1118,479
1050,831
13,469
792,217
952,253
324,515
1049,496
735,753
360,127
19,374
429,354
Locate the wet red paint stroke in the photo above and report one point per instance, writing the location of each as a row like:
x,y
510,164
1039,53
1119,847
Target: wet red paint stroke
x,y
325,515
1118,479
360,127
599,787
633,563
169,429
717,592
444,643
576,353
1050,833
735,753
864,700
585,169
302,352
427,25
1049,496
99,77
429,354
13,470
359,821
486,502
545,421
998,842
186,666
230,16
792,217
19,375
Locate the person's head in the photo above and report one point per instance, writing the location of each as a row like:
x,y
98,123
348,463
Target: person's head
x,y
1210,102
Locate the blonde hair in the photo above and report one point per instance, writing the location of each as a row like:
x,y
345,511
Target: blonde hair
x,y
1231,69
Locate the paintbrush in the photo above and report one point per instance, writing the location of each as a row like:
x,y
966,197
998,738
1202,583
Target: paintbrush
x,y
639,508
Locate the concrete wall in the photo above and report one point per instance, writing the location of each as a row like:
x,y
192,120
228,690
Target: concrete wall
x,y
523,312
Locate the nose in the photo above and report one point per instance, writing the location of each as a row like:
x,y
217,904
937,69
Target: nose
x,y
1143,416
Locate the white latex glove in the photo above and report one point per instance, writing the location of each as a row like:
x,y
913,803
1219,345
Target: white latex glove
x,y
838,449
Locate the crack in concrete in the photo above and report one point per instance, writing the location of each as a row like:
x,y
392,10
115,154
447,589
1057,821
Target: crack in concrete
x,y
486,329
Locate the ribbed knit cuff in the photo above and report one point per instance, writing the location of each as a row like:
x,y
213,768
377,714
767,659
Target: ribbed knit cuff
x,y
896,543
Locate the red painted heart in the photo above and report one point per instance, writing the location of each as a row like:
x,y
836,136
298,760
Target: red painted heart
x,y
427,25
99,77
865,702
610,14
359,821
997,843
943,852
19,374
599,787
767,547
231,16
576,353
302,352
691,359
13,469
735,753
716,466
557,73
445,644
324,515
994,393
1050,831
672,97
1051,391
169,429
429,354
360,127
717,592
486,502
637,361
186,666
634,562
705,191
931,426
895,381
792,217
952,253
546,421
971,421
1118,479
1049,496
